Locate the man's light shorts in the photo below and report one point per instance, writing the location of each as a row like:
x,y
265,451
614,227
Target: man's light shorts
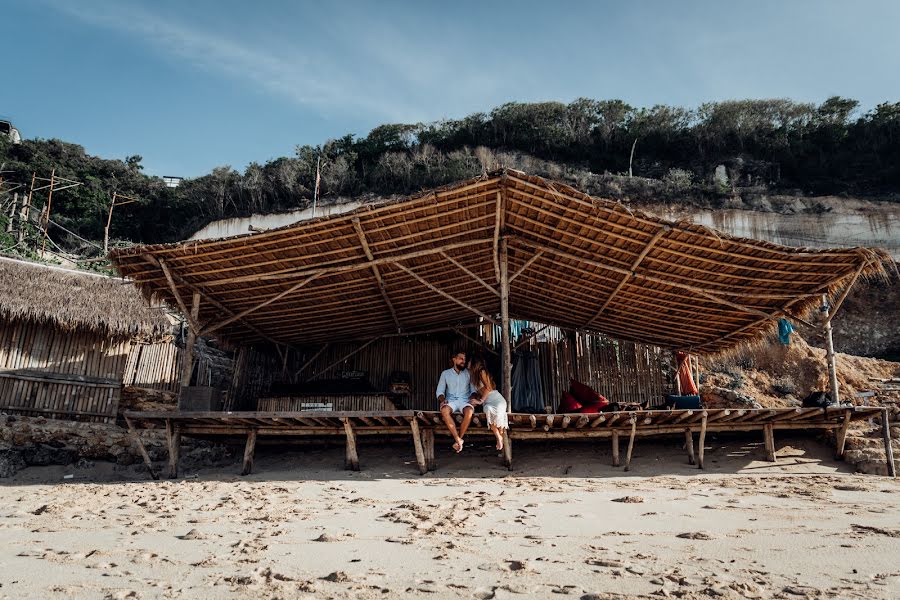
x,y
459,405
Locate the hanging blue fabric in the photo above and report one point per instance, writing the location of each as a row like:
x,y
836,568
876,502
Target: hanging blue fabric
x,y
784,331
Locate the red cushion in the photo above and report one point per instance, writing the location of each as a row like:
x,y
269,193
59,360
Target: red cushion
x,y
585,395
589,410
568,403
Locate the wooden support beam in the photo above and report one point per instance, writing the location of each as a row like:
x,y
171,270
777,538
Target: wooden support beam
x,y
150,259
829,354
249,450
886,436
615,448
192,323
213,327
701,442
136,435
417,445
173,439
504,324
630,443
428,448
715,297
769,439
840,439
444,294
837,305
626,278
310,361
187,359
530,262
475,277
507,450
689,443
364,242
351,461
498,225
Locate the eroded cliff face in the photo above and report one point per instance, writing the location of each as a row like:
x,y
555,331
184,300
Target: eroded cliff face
x,y
868,324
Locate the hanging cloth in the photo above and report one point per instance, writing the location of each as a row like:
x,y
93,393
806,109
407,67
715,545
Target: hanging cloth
x,y
685,375
785,329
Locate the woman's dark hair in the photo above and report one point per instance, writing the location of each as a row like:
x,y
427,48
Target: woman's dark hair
x,y
477,371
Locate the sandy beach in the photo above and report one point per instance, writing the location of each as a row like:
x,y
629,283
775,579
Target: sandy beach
x,y
562,523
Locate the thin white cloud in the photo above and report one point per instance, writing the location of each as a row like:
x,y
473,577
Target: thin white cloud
x,y
290,74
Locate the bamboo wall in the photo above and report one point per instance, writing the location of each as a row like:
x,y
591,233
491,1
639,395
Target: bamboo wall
x,y
154,366
44,370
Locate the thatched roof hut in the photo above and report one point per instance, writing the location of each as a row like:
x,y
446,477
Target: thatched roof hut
x,y
575,261
72,300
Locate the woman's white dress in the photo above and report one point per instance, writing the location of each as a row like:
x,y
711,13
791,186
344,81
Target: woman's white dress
x,y
495,410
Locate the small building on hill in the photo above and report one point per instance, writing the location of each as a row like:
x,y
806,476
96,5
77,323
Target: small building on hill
x,y
67,339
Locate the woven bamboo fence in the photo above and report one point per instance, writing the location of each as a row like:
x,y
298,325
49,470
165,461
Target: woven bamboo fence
x,y
64,374
154,366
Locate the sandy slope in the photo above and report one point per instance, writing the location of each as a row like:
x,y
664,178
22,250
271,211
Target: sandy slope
x,y
564,522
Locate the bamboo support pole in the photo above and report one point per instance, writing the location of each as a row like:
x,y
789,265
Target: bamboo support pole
x,y
428,448
142,449
507,450
468,272
769,439
630,444
888,448
840,439
527,264
249,451
441,292
504,324
351,461
837,305
829,354
498,225
173,439
417,445
689,444
382,288
701,442
615,447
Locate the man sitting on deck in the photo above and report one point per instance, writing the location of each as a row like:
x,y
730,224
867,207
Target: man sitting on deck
x,y
455,393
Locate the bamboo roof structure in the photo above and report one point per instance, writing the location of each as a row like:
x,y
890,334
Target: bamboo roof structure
x,y
573,260
71,300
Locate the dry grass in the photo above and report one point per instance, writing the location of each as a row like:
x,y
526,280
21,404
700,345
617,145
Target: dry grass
x,y
70,301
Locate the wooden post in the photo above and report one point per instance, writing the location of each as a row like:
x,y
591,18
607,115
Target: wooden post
x,y
187,359
630,443
888,449
689,442
572,343
507,450
428,447
615,448
143,450
351,462
841,438
769,438
12,211
504,323
46,222
173,437
701,443
829,348
417,444
249,450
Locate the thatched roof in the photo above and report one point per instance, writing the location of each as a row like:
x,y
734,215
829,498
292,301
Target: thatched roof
x,y
576,261
73,300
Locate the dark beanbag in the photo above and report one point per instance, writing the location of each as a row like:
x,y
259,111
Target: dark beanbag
x,y
683,402
568,403
585,395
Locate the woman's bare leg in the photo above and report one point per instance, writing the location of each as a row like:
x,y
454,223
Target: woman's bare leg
x,y
498,433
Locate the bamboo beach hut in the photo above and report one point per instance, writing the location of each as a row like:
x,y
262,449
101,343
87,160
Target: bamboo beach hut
x,y
66,338
496,248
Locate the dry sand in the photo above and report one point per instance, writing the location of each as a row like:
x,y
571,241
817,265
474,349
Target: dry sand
x,y
563,523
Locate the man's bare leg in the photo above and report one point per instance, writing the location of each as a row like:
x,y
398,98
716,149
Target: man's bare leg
x,y
468,413
447,415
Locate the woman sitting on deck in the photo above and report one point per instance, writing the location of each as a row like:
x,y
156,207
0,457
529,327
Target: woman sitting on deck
x,y
493,401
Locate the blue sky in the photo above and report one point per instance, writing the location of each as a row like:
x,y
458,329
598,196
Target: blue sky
x,y
193,85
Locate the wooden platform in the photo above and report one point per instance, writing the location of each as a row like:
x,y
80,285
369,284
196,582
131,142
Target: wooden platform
x,y
424,425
